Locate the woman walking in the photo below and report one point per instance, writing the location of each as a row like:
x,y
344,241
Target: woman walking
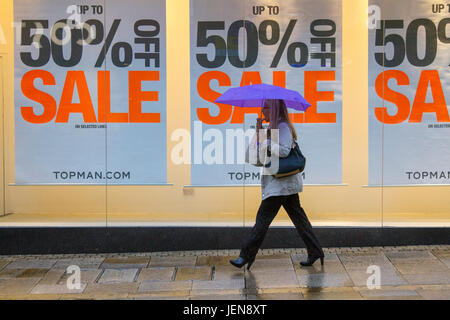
x,y
277,192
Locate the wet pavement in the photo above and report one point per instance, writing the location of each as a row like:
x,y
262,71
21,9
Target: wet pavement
x,y
411,272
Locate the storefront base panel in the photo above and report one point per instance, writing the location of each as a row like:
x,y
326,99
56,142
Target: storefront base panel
x,y
65,240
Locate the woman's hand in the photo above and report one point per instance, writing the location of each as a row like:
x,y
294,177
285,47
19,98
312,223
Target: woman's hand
x,y
259,123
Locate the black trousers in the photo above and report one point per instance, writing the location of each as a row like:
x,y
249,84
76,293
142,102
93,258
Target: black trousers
x,y
267,212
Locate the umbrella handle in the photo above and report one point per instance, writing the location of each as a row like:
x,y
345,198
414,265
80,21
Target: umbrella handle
x,y
257,144
257,134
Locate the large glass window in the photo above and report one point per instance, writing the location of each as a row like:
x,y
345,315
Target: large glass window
x,y
53,128
109,116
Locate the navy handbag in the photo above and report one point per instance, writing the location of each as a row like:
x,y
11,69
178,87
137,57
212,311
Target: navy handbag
x,y
292,164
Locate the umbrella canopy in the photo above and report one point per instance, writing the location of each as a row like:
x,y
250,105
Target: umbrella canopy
x,y
254,96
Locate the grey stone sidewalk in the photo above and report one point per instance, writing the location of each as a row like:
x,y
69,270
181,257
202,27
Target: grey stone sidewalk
x,y
413,272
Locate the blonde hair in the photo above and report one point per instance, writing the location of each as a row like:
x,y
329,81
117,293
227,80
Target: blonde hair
x,y
279,113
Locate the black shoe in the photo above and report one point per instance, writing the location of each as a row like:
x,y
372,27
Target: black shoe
x,y
310,261
239,262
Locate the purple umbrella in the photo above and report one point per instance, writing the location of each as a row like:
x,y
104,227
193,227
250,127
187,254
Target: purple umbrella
x,y
254,96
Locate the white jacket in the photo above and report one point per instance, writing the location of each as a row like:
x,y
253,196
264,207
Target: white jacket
x,y
271,186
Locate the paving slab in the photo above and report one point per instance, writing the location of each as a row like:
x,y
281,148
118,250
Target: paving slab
x,y
446,261
395,287
441,253
328,267
175,294
32,273
116,275
193,273
427,266
82,263
227,273
285,279
17,286
360,272
108,289
157,261
279,290
56,289
324,280
107,295
443,256
33,297
410,255
125,262
153,297
363,259
156,274
86,276
363,265
52,276
276,296
218,286
331,289
428,278
10,273
165,286
329,257
4,263
388,277
32,264
381,293
395,298
268,265
218,297
442,294
213,260
331,295
276,256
